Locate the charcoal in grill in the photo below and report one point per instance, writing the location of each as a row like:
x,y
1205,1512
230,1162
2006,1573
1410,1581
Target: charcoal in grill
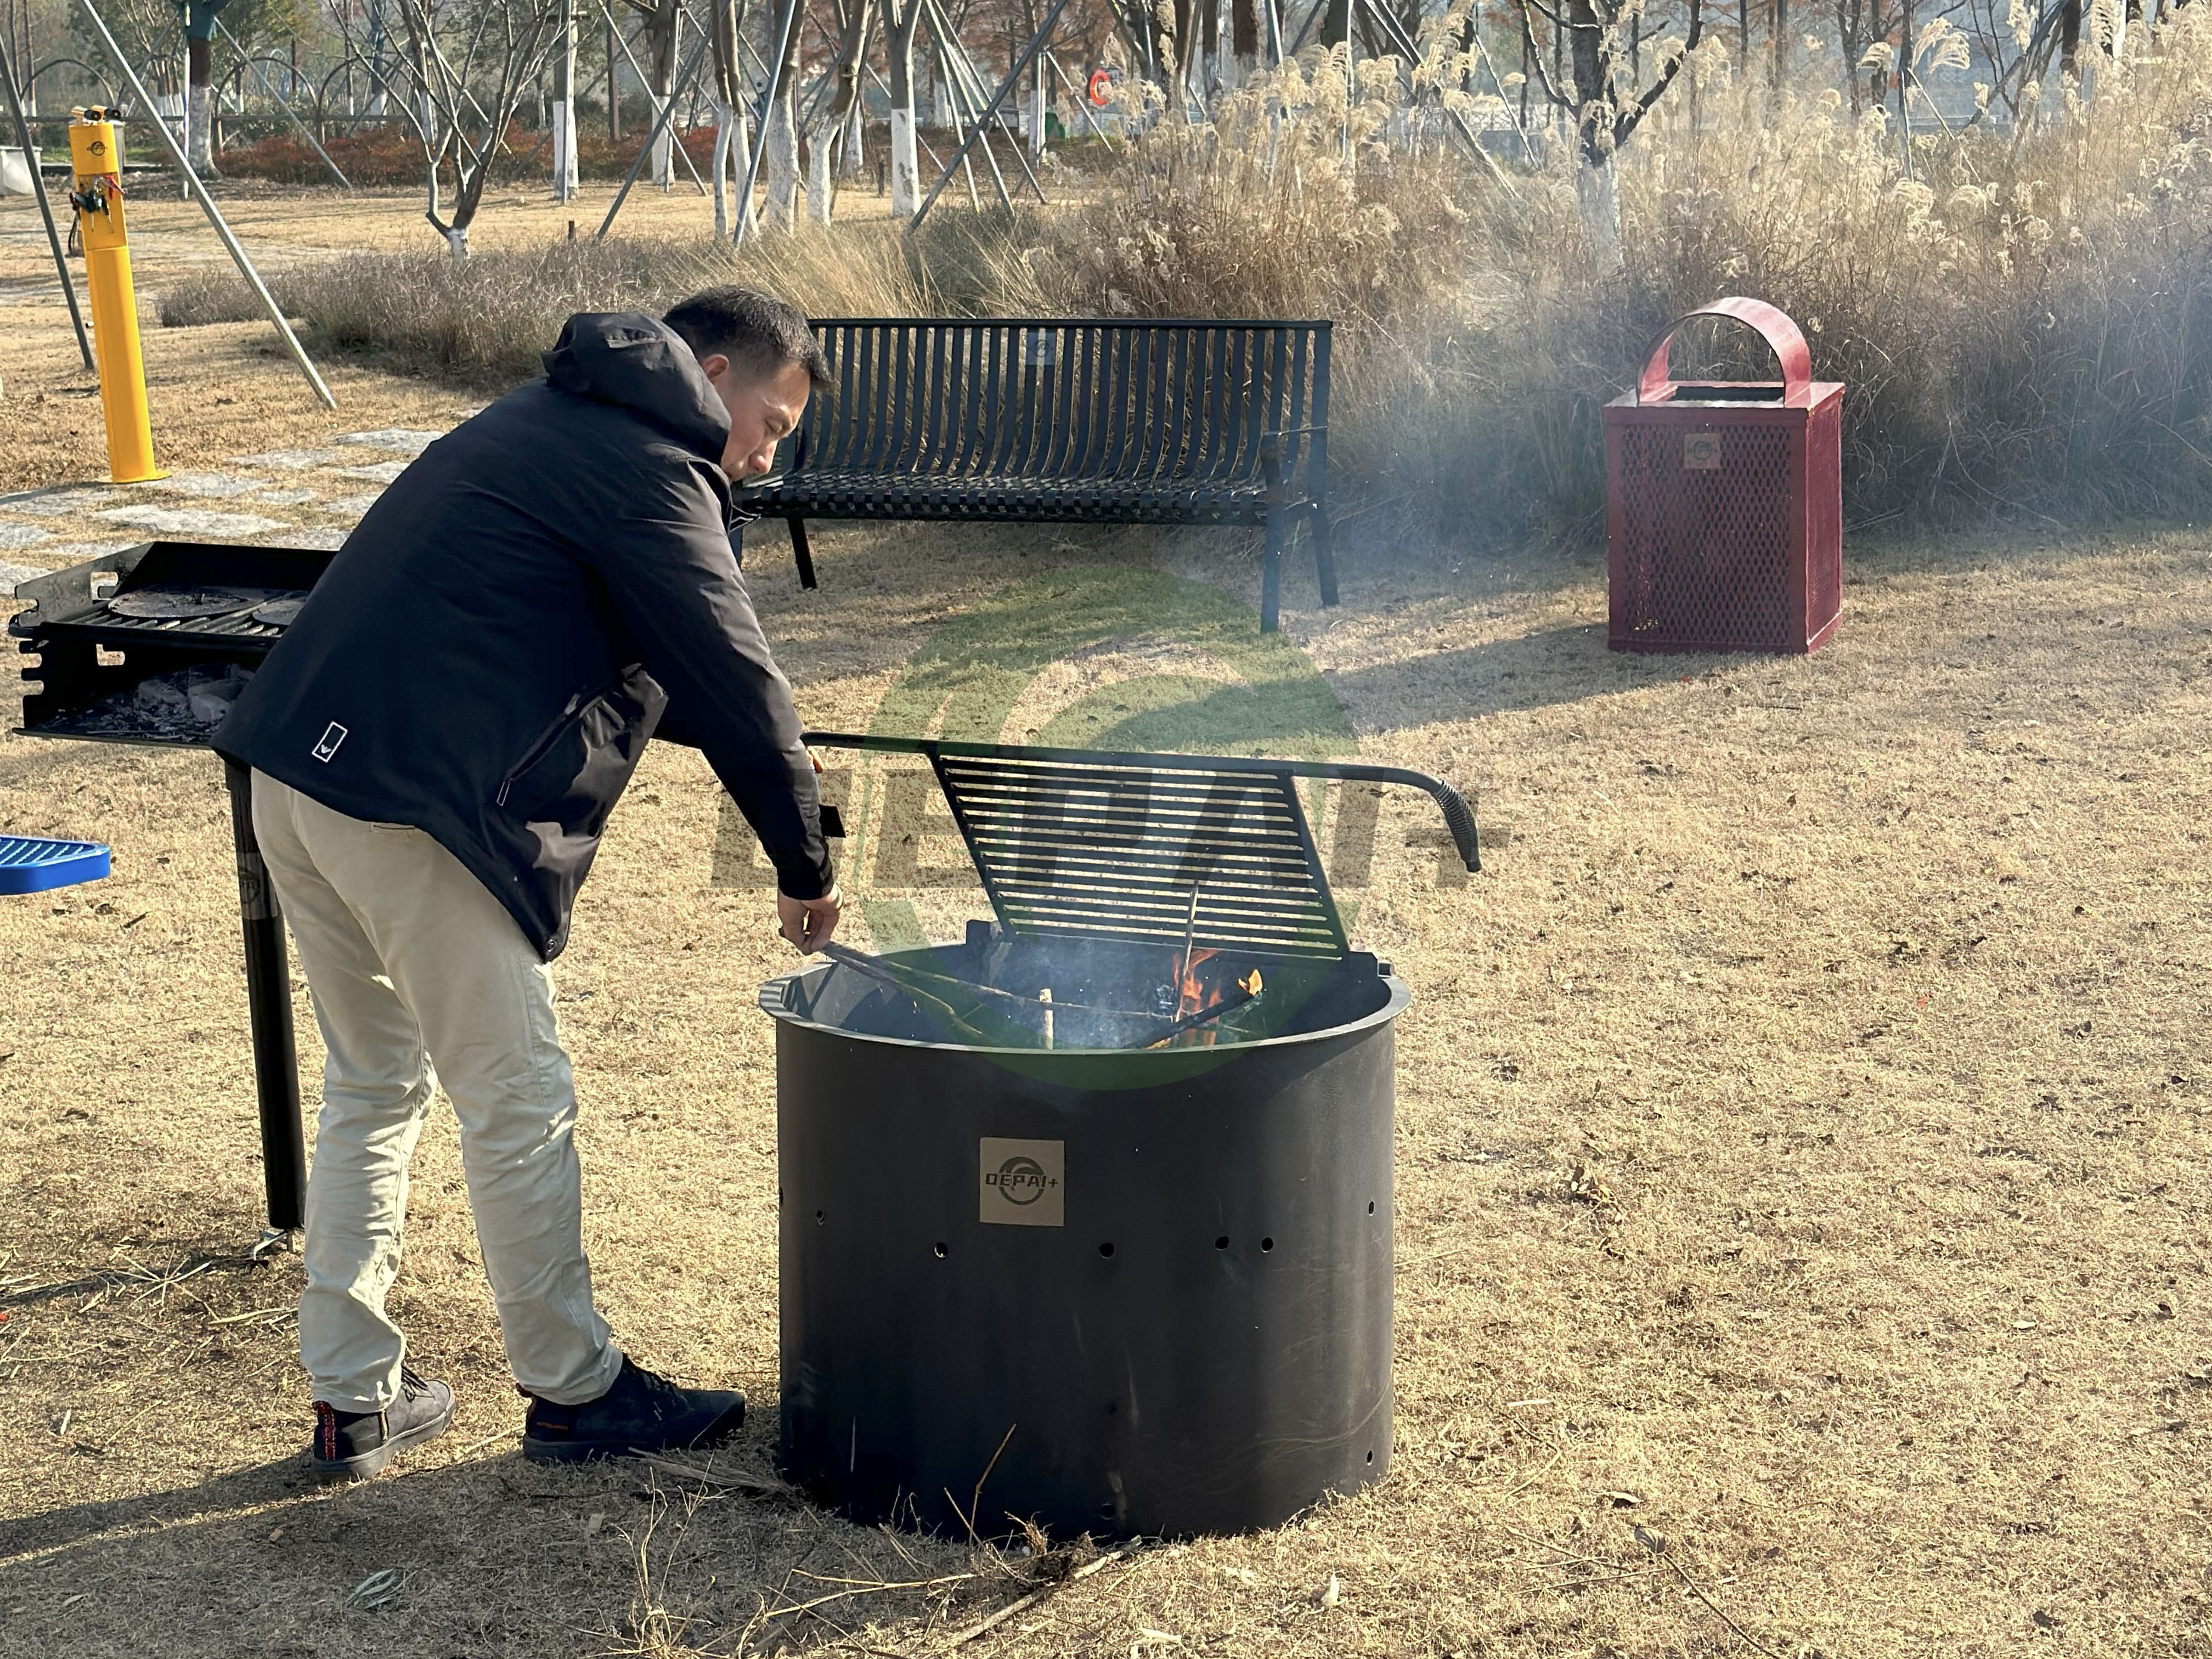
x,y
280,613
183,603
151,644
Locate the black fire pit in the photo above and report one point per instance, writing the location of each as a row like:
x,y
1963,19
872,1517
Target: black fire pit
x,y
1056,1247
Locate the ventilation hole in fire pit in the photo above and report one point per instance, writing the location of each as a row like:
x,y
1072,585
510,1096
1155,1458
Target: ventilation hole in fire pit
x,y
1370,1457
1371,1206
820,1216
1106,1510
1222,1242
1266,1244
940,1253
1105,1250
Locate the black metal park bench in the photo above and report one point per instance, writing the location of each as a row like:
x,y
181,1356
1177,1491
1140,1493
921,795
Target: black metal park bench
x,y
1057,420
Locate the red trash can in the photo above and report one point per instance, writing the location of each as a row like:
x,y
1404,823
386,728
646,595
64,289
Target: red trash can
x,y
1725,508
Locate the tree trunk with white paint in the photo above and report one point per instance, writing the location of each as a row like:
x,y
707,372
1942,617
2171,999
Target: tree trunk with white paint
x,y
566,178
199,107
779,166
662,29
721,171
900,17
837,129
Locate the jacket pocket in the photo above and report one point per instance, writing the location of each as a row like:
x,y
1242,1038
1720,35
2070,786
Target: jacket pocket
x,y
571,712
567,781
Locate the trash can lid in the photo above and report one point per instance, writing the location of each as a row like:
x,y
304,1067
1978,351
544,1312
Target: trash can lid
x,y
1150,847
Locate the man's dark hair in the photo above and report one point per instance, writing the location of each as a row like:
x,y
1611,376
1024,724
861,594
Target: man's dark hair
x,y
758,334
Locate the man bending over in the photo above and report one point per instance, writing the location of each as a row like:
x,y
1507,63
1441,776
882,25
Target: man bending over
x,y
436,744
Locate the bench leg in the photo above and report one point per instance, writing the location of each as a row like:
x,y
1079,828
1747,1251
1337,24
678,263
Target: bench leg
x,y
1324,555
799,553
1270,570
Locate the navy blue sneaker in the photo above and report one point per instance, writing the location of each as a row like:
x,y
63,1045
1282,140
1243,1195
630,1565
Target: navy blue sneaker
x,y
356,1445
641,1413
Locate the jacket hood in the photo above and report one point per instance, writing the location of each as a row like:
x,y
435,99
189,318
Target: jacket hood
x,y
640,363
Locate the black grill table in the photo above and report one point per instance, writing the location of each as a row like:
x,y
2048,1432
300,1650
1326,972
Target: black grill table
x,y
1046,1256
149,646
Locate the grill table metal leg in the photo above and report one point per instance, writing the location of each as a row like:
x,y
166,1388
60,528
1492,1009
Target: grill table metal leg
x,y
268,1001
801,554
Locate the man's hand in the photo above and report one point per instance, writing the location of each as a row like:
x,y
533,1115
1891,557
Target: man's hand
x,y
808,923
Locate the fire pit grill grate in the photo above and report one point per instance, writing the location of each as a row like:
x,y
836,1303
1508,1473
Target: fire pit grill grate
x,y
1084,844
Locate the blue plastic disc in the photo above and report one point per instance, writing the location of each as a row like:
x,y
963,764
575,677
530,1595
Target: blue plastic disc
x,y
32,864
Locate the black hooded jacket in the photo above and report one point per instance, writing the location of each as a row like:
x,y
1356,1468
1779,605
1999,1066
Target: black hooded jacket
x,y
546,586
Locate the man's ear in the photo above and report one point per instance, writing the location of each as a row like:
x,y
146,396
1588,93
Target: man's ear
x,y
714,364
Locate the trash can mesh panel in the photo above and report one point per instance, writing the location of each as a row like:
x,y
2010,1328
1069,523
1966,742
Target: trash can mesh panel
x,y
1704,553
1824,532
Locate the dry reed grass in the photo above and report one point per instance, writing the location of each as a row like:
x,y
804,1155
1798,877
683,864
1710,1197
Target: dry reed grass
x,y
2025,324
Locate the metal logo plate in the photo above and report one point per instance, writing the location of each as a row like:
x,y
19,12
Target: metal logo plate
x,y
1701,452
1022,1183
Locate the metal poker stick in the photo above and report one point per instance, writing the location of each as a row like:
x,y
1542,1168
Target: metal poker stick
x,y
1013,80
270,86
206,206
46,209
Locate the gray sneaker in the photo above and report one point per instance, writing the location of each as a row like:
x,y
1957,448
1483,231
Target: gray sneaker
x,y
356,1445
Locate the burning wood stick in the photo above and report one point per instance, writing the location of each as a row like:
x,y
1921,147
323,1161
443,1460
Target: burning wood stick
x,y
1249,986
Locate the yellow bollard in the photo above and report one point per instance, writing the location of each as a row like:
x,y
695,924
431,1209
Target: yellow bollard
x,y
96,157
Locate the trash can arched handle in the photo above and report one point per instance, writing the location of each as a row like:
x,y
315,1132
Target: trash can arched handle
x,y
1772,326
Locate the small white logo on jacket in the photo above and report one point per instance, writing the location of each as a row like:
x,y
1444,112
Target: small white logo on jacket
x,y
333,735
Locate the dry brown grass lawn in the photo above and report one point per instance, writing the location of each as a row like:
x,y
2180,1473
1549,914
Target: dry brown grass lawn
x,y
1803,1157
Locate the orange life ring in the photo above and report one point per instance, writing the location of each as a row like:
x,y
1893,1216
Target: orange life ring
x,y
1102,88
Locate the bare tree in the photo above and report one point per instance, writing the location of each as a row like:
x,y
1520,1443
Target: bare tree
x,y
900,17
1600,36
779,161
664,23
833,129
732,127
499,45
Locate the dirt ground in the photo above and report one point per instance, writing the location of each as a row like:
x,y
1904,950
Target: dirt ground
x,y
1801,1137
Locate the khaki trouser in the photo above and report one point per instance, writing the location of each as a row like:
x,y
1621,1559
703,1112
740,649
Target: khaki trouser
x,y
412,965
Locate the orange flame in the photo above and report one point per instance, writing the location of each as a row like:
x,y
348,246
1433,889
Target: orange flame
x,y
1191,995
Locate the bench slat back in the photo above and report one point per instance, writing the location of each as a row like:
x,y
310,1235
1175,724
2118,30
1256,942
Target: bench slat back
x,y
1079,399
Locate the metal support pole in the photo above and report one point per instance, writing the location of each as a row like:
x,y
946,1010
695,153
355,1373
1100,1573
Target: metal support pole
x,y
269,1004
667,109
270,86
46,208
745,204
206,206
966,86
1013,78
646,81
962,111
